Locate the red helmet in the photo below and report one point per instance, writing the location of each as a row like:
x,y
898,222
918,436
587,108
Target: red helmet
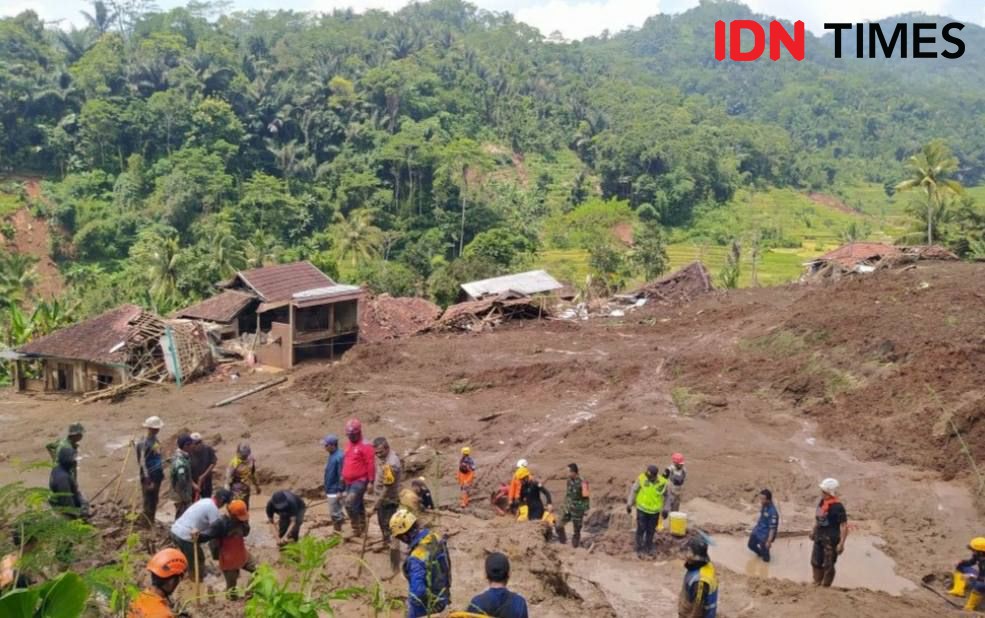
x,y
677,458
353,426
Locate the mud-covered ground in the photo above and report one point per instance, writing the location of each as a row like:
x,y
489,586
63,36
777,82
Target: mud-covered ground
x,y
865,380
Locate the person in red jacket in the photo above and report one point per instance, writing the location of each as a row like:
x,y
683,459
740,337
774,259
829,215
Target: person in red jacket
x,y
358,472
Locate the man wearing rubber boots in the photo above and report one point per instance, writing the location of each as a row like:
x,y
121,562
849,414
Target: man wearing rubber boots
x,y
647,495
971,573
576,504
358,473
829,533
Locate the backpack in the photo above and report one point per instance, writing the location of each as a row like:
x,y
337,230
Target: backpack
x,y
434,553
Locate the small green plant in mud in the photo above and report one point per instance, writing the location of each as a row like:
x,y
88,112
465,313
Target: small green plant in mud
x,y
304,592
62,597
114,583
780,343
684,399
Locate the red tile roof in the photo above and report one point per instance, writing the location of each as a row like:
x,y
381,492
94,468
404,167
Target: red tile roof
x,y
90,340
223,307
279,283
851,254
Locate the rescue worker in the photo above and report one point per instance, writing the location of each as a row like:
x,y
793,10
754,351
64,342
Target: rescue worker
x,y
465,475
427,567
532,507
699,595
647,495
242,473
423,493
388,485
151,464
829,533
196,519
763,535
182,483
203,461
676,474
70,443
289,508
166,567
500,499
65,495
576,504
971,571
498,601
358,473
227,542
522,468
333,480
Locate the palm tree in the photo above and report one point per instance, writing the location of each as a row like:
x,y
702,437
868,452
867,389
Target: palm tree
x,y
261,249
49,316
17,278
355,237
100,19
930,170
158,255
226,254
463,158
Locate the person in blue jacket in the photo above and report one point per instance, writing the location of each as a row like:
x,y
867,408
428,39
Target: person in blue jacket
x,y
764,533
699,594
427,568
498,601
333,480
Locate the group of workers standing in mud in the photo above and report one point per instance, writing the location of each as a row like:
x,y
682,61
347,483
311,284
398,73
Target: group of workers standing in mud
x,y
221,519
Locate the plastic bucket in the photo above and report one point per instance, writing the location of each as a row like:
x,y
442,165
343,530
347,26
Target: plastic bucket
x,y
678,523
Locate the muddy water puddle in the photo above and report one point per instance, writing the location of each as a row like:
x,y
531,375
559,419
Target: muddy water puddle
x,y
863,565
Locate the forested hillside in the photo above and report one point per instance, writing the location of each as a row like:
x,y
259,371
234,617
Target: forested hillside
x,y
443,143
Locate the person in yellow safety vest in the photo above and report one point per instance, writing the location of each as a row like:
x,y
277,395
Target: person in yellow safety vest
x,y
971,571
699,594
647,495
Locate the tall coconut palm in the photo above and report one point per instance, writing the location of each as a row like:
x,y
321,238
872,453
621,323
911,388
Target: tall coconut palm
x,y
100,19
355,237
158,255
226,254
930,173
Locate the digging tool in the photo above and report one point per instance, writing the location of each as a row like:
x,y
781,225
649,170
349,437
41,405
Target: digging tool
x,y
198,580
362,552
950,600
105,487
126,460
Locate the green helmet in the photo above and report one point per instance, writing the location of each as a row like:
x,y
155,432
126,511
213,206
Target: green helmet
x,y
76,429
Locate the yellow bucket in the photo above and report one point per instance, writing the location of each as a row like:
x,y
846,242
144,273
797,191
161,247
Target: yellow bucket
x,y
678,523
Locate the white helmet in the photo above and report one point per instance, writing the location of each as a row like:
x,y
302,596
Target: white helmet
x,y
521,463
829,486
153,422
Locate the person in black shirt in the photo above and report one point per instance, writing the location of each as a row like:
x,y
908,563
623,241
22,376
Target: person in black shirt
x,y
497,601
203,460
829,533
423,493
289,507
530,493
65,495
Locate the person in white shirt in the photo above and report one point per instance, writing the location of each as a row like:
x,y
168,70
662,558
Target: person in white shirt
x,y
198,518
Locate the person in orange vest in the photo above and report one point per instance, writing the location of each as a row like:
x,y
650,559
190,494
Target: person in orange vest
x,y
516,484
227,541
466,474
166,567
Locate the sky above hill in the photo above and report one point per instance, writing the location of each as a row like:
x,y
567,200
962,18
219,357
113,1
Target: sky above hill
x,y
576,19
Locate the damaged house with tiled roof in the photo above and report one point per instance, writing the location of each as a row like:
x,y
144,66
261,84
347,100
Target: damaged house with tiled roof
x,y
295,311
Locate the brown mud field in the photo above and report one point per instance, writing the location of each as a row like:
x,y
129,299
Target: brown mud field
x,y
867,380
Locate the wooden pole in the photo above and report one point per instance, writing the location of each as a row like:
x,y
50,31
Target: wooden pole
x,y
198,582
126,460
247,393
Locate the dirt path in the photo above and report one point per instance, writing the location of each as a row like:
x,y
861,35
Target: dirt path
x,y
614,397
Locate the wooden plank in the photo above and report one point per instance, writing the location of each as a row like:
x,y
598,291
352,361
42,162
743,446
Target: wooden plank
x,y
247,393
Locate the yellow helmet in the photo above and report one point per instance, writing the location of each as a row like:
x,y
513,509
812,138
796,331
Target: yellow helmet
x,y
402,521
522,473
466,450
977,544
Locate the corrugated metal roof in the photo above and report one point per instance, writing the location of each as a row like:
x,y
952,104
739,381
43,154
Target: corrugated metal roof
x,y
279,283
529,283
96,339
223,307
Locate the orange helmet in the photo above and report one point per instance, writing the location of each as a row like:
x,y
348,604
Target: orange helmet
x,y
168,563
239,510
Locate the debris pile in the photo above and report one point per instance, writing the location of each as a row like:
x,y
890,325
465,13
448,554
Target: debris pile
x,y
684,285
864,258
385,317
479,315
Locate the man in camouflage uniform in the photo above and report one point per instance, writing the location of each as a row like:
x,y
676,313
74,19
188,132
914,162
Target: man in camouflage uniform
x,y
70,442
576,504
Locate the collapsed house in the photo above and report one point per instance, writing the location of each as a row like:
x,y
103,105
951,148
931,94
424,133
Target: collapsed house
x,y
480,315
530,283
283,314
682,285
866,257
112,352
